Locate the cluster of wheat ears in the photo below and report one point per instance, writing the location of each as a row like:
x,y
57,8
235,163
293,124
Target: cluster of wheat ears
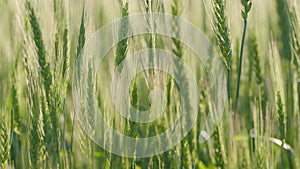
x,y
258,42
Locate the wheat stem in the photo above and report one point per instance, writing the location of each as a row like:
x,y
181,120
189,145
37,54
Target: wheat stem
x,y
247,7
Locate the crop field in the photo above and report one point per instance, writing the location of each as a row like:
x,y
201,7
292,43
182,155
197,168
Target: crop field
x,y
150,84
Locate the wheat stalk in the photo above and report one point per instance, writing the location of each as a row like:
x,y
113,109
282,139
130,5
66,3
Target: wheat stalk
x,y
247,4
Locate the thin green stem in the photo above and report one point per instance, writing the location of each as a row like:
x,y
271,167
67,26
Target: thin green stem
x,y
240,64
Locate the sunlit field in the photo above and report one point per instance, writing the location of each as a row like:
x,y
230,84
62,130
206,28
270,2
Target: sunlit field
x,y
150,84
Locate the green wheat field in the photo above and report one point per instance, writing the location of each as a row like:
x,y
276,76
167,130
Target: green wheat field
x,y
258,42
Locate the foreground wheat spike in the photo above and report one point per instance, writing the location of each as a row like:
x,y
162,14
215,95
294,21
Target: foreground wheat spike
x,y
222,32
223,36
41,52
247,4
